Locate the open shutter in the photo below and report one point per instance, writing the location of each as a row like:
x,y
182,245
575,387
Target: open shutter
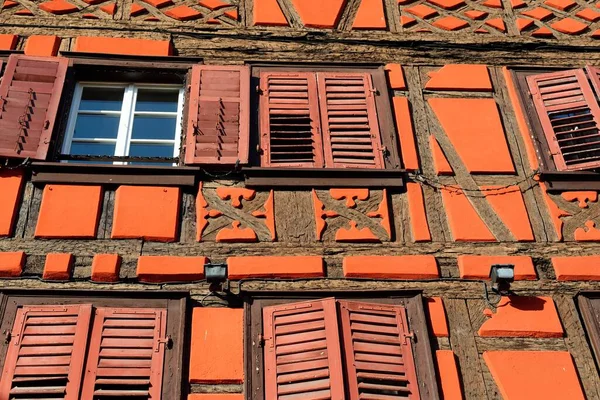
x,y
351,137
379,359
289,120
569,115
589,305
46,353
126,354
29,97
219,115
302,351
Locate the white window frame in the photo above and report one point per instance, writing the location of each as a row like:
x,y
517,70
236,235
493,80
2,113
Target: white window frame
x,y
126,117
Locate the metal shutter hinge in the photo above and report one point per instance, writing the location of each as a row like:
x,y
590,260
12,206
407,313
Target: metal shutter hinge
x,y
409,336
259,90
168,342
262,340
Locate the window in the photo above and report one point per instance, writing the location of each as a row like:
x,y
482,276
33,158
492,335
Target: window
x,y
564,116
568,111
124,121
91,347
589,306
307,123
339,348
322,119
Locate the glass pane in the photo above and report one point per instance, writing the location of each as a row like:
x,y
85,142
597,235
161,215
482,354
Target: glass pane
x,y
96,126
157,100
150,150
92,149
98,99
153,128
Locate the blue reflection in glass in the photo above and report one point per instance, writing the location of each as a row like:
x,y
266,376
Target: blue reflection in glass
x,y
150,150
101,99
153,128
96,127
157,100
93,149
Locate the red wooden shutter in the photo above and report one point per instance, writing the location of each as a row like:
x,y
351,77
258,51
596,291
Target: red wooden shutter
x,y
302,351
594,76
289,120
351,137
46,352
219,115
379,360
126,354
29,97
569,115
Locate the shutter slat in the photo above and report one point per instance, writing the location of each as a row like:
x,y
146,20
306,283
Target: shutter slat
x,y
46,352
126,354
379,363
289,114
301,372
120,393
569,115
348,111
219,112
29,97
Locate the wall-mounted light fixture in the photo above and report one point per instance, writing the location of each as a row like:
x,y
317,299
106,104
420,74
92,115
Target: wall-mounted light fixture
x,y
216,276
502,275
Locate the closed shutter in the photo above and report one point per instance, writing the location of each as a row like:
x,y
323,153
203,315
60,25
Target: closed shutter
x,y
289,120
351,136
29,98
379,360
46,353
302,351
219,115
569,115
126,354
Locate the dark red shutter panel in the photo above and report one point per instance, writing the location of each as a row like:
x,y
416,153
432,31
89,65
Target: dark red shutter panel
x,y
569,115
351,137
219,115
302,351
379,359
126,354
46,353
289,120
29,97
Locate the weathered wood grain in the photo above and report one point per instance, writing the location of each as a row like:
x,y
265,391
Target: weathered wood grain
x,y
577,345
463,344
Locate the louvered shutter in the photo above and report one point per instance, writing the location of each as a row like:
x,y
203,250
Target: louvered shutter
x,y
126,354
219,115
289,120
569,115
46,353
379,360
29,98
302,351
351,137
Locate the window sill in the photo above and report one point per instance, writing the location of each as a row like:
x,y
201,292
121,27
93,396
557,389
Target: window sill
x,y
316,178
560,181
75,173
